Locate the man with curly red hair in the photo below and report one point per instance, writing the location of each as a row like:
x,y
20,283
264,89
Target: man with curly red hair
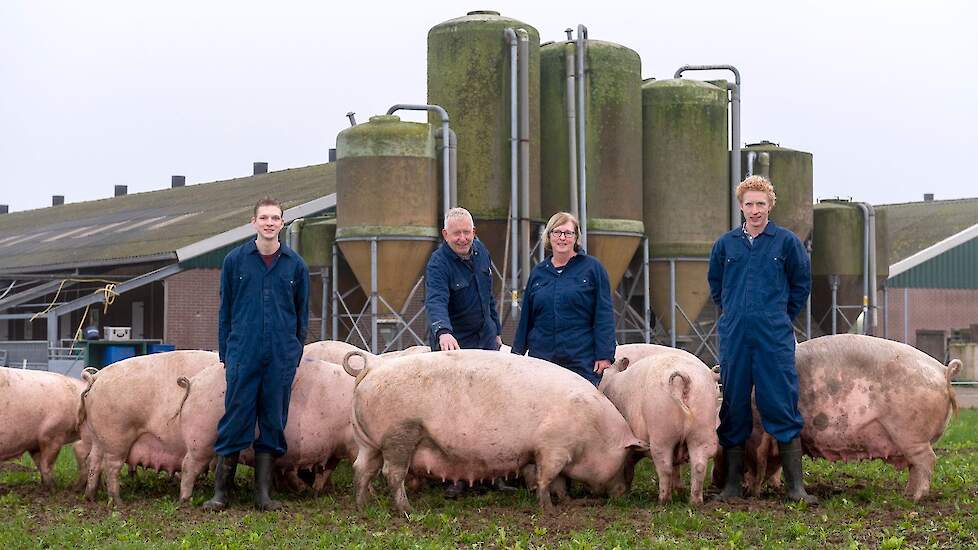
x,y
760,276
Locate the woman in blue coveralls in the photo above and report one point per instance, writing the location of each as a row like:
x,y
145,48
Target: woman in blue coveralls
x,y
566,315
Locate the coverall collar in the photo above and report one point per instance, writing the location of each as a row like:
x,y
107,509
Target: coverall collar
x,y
473,251
769,230
251,247
550,259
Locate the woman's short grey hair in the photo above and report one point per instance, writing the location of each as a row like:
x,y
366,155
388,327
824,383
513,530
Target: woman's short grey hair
x,y
458,213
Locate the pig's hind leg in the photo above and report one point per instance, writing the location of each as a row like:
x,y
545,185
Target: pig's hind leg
x,y
95,459
365,467
921,458
398,449
662,457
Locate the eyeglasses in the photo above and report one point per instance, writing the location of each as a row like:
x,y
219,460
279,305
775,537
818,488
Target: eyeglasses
x,y
556,233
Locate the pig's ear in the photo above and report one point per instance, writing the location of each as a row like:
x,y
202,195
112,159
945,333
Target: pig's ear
x,y
637,445
622,364
716,373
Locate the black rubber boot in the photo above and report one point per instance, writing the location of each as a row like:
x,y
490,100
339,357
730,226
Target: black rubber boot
x,y
223,482
454,490
794,482
263,482
733,486
500,485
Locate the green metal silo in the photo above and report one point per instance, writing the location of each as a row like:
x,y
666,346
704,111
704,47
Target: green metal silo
x,y
686,190
315,237
838,253
387,188
614,147
468,75
791,173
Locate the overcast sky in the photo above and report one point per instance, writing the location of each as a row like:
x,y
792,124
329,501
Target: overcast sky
x,y
99,93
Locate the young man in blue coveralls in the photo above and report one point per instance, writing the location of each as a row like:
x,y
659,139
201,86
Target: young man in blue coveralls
x,y
458,298
760,277
262,329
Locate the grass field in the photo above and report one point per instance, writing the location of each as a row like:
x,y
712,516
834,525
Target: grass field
x,y
862,507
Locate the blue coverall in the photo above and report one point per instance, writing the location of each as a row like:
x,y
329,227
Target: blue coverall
x,y
760,288
566,316
458,298
264,317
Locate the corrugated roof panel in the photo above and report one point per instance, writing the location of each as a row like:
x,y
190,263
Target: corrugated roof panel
x,y
149,239
956,268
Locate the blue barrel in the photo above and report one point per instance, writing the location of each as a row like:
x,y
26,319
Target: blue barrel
x,y
160,348
118,353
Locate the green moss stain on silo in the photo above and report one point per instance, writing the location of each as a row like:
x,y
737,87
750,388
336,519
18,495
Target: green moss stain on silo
x,y
685,166
468,75
386,179
792,174
613,105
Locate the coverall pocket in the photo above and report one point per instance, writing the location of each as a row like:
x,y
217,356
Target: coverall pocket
x,y
583,293
775,272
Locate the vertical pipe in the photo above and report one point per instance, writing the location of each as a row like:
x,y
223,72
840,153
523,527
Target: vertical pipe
x,y
866,274
672,302
513,171
373,294
873,305
734,151
524,100
808,305
571,126
541,234
886,309
446,186
834,281
581,135
906,315
325,295
336,293
453,169
646,298
52,330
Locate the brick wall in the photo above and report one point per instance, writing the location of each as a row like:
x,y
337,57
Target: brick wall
x,y
192,301
193,298
930,309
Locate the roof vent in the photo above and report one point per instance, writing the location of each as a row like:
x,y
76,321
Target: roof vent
x,y
928,197
178,181
57,200
332,155
121,190
4,209
260,168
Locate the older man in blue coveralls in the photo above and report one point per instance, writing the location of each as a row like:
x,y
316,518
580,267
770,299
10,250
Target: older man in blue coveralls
x,y
264,316
760,277
458,297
